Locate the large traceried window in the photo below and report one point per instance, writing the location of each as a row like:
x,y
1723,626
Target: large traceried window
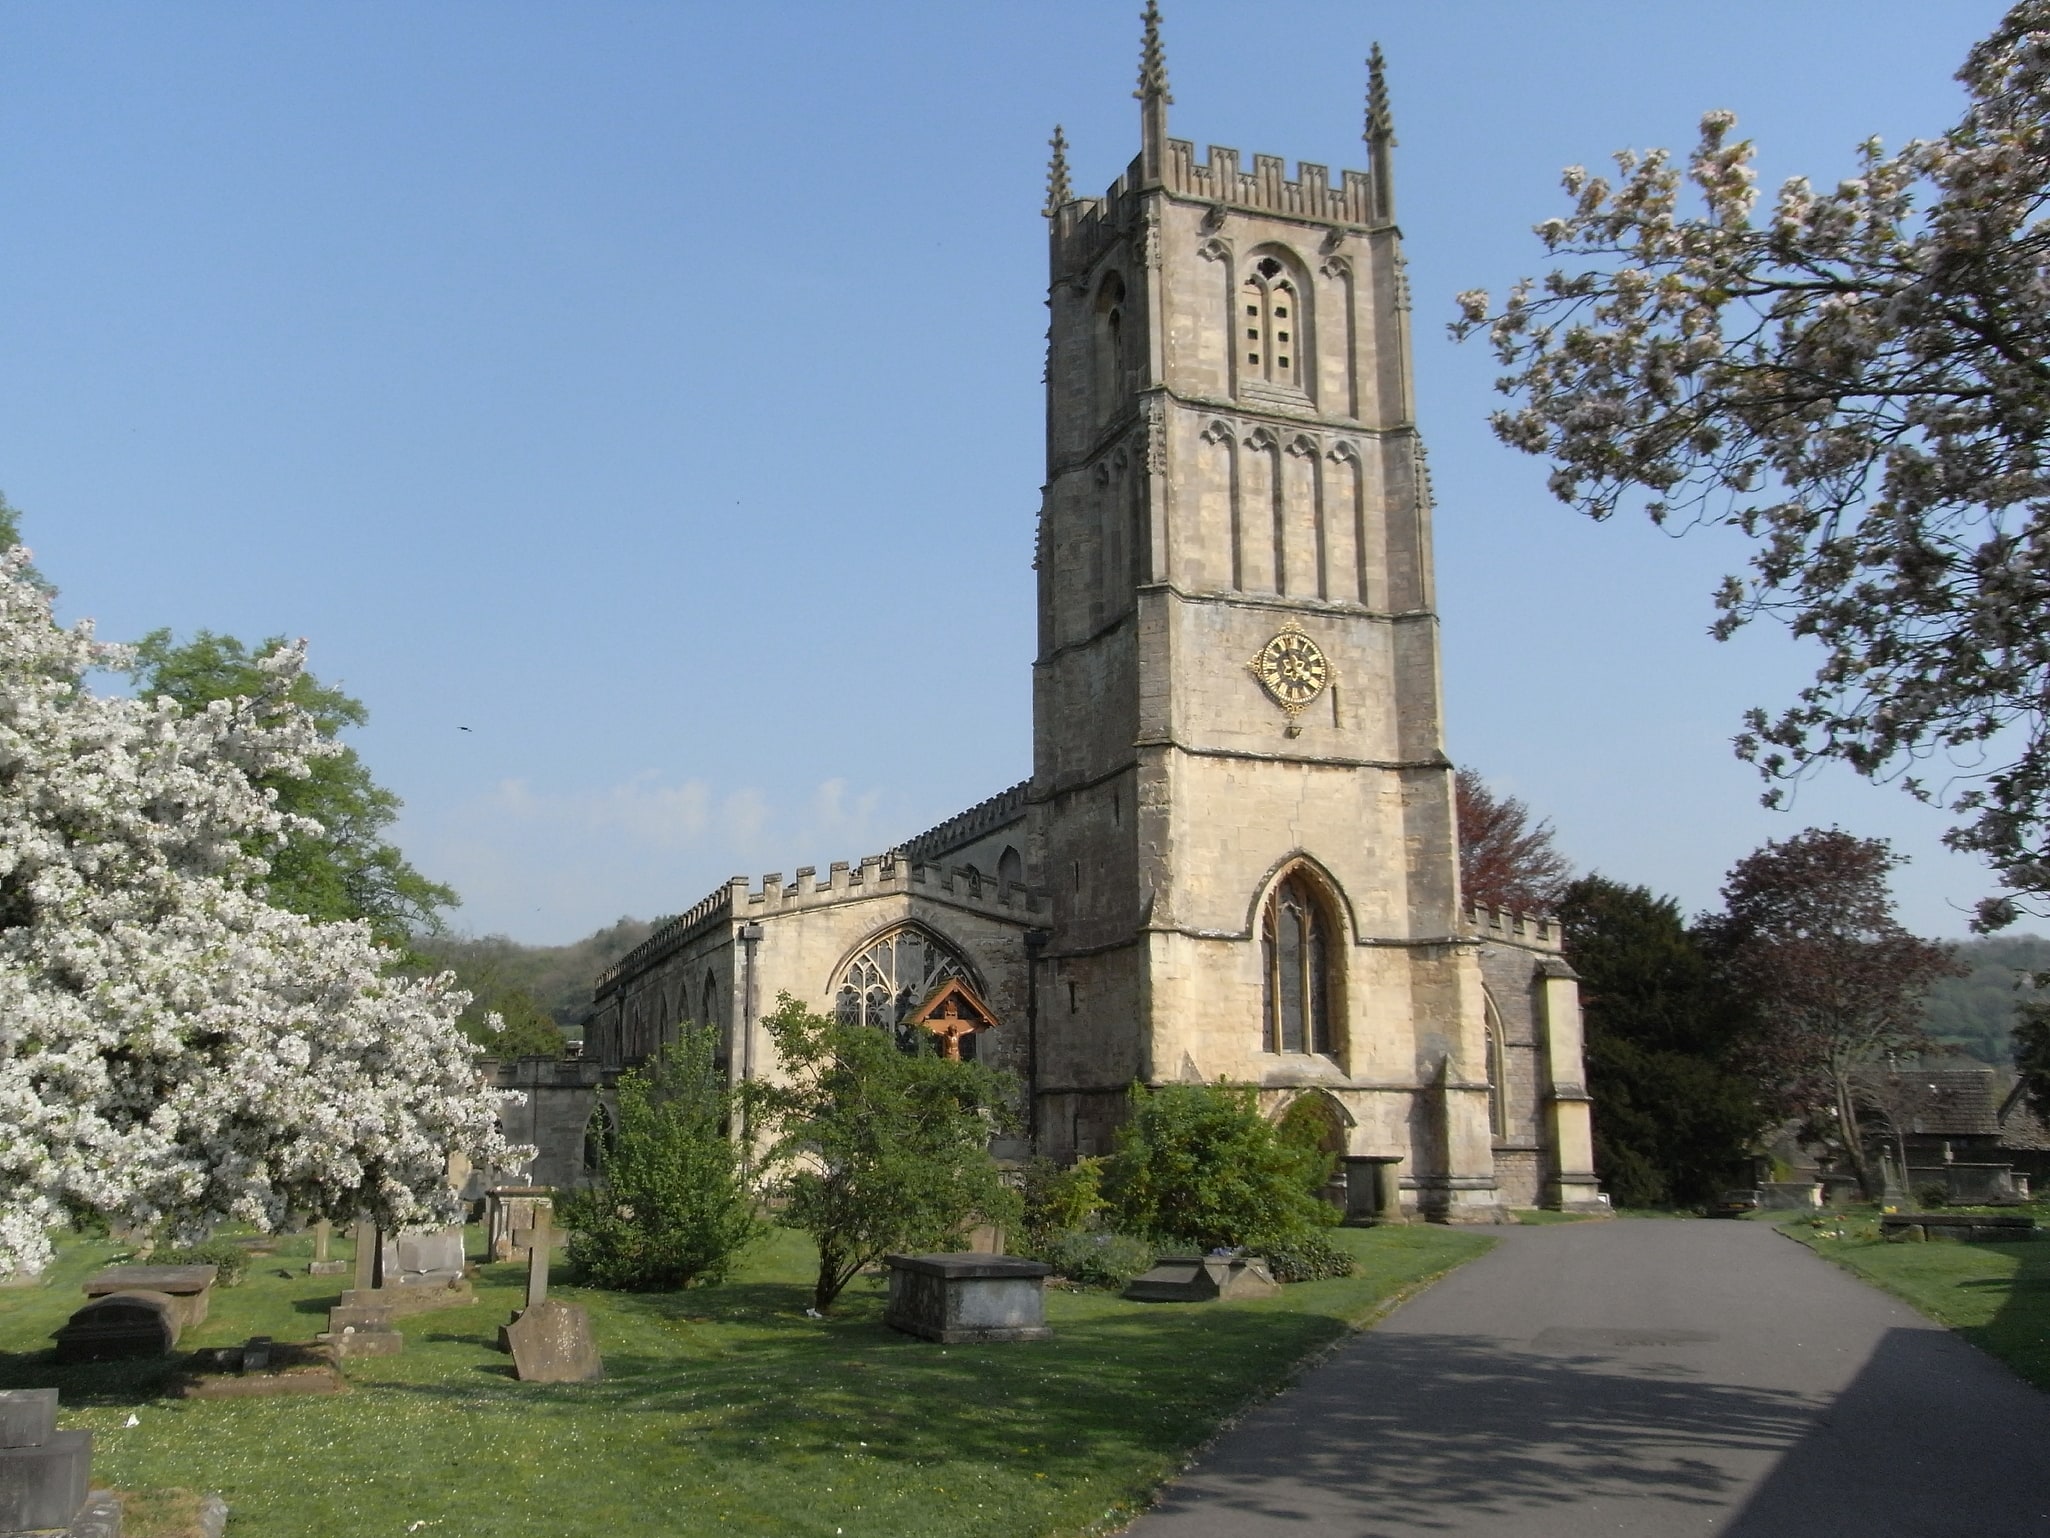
x,y
1296,949
892,976
1270,325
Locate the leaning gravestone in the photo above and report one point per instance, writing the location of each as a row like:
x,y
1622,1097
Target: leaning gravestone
x,y
45,1474
552,1343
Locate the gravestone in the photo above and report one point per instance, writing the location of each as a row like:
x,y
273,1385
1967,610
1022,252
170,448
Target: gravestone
x,y
323,1264
970,1296
537,1276
1203,1279
416,1257
189,1287
511,1213
552,1343
118,1325
45,1474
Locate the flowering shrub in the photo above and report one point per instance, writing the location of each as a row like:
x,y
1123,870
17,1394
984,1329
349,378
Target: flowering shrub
x,y
174,1051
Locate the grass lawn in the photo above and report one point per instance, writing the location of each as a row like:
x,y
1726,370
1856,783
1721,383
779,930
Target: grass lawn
x,y
725,1410
1995,1295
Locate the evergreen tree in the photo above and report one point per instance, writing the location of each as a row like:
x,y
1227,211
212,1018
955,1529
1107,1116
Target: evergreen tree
x,y
1674,1110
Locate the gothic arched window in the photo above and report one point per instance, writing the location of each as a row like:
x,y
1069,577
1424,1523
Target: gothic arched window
x,y
1296,952
1110,345
1498,1071
598,1135
1269,325
1010,867
892,976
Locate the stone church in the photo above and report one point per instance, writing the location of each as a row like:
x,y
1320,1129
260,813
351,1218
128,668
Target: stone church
x,y
1235,858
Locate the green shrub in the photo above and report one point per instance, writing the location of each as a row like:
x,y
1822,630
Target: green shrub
x,y
671,1206
879,1148
228,1259
1934,1194
1198,1167
1309,1258
1097,1257
1059,1200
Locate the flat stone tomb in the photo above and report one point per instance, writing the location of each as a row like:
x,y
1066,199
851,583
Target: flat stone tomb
x,y
967,1297
45,1474
119,1325
1966,1227
191,1286
261,1369
1203,1279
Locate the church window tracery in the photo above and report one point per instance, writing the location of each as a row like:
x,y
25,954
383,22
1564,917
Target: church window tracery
x,y
1296,957
1273,323
892,976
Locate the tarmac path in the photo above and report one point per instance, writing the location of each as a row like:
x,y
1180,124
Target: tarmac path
x,y
1662,1379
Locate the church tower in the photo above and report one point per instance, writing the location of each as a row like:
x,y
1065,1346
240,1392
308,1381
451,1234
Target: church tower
x,y
1241,805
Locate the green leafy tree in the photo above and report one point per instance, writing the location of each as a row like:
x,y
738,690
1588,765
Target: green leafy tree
x,y
1059,1200
671,1207
1197,1165
878,1149
504,1017
347,870
2031,1040
1675,1109
1854,380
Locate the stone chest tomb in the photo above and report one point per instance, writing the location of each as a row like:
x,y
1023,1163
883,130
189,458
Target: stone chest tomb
x,y
968,1297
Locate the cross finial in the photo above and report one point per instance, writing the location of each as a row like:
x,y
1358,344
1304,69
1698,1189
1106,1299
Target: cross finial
x,y
1380,121
1152,58
1058,192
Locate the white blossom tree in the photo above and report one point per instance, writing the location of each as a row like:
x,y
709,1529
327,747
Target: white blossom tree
x,y
173,1050
1860,382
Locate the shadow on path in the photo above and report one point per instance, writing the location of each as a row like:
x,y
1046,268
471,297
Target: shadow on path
x,y
1417,1433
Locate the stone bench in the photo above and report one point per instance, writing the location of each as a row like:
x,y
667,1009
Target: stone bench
x,y
967,1297
1962,1227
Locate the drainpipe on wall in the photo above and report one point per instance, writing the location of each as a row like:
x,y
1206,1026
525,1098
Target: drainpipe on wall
x,y
750,936
1035,943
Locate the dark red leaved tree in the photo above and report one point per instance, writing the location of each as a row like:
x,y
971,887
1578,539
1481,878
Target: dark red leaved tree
x,y
1807,936
1506,856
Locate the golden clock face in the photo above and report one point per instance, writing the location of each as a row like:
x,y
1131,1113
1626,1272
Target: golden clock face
x,y
1293,669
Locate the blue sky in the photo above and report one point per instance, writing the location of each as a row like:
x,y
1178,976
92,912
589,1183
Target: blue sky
x,y
654,390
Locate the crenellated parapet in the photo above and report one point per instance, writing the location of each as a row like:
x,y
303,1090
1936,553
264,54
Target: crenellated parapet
x,y
985,817
1529,930
1084,227
876,875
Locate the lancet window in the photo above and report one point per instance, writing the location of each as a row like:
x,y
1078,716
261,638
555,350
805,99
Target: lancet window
x,y
892,976
1296,949
1110,345
1498,1074
1270,325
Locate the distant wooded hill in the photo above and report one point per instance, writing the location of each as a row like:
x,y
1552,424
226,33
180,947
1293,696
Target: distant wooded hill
x,y
1974,1012
558,978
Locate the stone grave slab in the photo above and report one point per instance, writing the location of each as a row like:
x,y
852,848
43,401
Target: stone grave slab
x,y
120,1324
1203,1279
44,1482
552,1343
191,1286
972,1296
1963,1227
261,1369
